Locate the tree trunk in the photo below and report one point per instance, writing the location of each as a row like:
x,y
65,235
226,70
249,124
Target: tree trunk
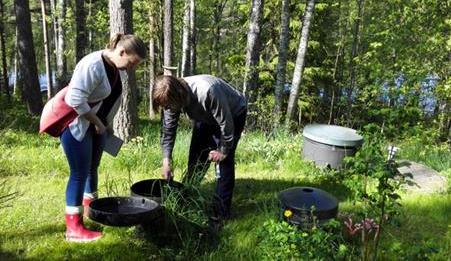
x,y
152,58
167,39
186,45
339,58
61,63
210,58
54,13
253,50
46,52
300,60
5,83
80,29
17,90
31,94
193,35
160,42
126,120
282,63
151,76
217,18
90,33
355,48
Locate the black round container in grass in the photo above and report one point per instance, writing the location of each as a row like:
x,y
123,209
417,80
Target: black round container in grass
x,y
307,206
155,189
124,211
327,145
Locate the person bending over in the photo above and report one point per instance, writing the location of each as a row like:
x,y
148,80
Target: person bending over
x,y
218,113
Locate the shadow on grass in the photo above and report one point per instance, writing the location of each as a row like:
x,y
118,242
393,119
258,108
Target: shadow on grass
x,y
255,197
33,235
5,256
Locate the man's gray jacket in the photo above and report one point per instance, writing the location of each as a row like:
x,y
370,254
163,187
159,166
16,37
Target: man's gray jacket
x,y
213,101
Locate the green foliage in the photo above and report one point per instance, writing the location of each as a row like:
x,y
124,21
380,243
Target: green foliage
x,y
36,168
371,177
185,222
272,147
409,38
422,145
13,115
279,240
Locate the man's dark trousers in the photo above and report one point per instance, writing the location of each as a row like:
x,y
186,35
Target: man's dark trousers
x,y
204,139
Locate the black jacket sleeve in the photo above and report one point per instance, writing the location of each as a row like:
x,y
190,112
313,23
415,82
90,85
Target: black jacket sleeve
x,y
169,131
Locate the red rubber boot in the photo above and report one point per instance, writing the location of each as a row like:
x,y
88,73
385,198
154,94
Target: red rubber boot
x,y
76,231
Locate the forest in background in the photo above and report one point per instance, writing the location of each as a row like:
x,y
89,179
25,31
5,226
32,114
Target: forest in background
x,y
348,63
381,67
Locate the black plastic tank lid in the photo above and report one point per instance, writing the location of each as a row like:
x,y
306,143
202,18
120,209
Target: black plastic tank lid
x,y
332,135
304,198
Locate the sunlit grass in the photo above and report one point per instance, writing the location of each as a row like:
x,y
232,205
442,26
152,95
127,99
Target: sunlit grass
x,y
36,168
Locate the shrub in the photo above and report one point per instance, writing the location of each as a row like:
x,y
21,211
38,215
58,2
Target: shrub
x,y
278,240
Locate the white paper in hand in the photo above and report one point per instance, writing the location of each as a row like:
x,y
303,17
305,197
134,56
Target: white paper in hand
x,y
113,145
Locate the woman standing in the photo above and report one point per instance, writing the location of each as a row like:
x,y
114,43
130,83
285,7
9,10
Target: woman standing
x,y
95,94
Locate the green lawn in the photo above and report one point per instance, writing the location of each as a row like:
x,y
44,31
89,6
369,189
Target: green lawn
x,y
32,227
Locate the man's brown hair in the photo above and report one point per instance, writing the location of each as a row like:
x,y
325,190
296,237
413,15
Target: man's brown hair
x,y
168,91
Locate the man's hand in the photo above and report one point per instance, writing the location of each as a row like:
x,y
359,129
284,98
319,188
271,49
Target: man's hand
x,y
216,156
166,169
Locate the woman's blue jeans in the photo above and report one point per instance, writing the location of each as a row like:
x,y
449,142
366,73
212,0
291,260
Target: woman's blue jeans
x,y
84,159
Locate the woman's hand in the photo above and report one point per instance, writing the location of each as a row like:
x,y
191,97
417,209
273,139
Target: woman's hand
x,y
92,118
109,129
100,129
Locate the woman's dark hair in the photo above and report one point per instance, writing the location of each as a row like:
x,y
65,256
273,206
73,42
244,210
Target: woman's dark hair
x,y
130,42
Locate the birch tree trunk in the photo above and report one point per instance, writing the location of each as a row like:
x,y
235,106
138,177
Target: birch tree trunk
x,y
80,29
160,42
61,63
193,35
186,44
126,120
282,63
167,39
5,83
90,46
300,60
253,50
54,15
153,15
48,70
17,90
31,92
53,11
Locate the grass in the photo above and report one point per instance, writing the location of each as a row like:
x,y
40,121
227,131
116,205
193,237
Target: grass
x,y
33,227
